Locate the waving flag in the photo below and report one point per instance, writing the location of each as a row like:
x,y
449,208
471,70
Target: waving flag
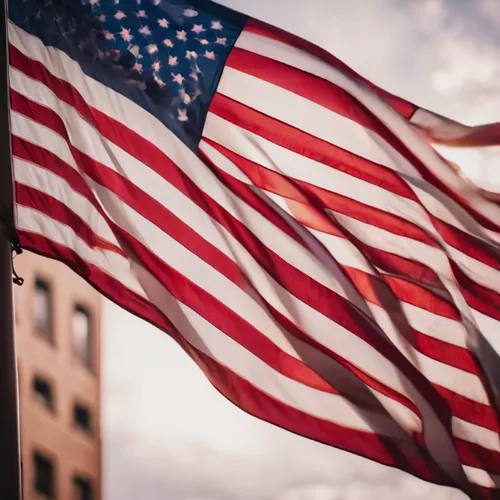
x,y
285,220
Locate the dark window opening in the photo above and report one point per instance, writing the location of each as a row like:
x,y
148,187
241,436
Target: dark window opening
x,y
82,417
44,476
82,339
82,488
43,392
43,309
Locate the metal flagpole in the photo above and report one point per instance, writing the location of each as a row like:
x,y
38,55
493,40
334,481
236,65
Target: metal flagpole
x,y
10,462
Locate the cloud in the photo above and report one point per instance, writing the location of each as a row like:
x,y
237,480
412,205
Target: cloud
x,y
311,492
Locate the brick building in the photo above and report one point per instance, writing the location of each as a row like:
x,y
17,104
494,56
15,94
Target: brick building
x,y
58,319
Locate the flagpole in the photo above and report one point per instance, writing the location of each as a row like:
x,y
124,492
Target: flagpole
x,y
10,456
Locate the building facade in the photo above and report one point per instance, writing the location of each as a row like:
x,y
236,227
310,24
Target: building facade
x,y
58,337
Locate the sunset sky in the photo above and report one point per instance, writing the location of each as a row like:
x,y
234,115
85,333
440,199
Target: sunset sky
x,y
168,435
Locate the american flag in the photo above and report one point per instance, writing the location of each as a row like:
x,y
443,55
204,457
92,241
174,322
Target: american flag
x,y
282,218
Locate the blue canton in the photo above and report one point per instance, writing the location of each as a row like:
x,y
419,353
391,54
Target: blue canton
x,y
166,55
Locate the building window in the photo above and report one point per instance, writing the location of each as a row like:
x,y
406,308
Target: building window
x,y
82,339
82,417
44,476
82,489
43,310
43,392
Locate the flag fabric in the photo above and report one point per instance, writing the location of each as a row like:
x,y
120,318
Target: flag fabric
x,y
286,221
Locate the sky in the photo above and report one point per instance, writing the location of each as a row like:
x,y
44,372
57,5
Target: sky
x,y
167,434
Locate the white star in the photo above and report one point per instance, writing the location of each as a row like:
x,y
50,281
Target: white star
x,y
142,13
134,50
216,25
152,48
198,28
108,35
181,35
168,43
209,54
163,23
156,66
203,41
120,15
178,78
94,2
172,60
182,115
138,67
190,13
145,30
221,41
191,54
116,2
157,2
102,18
125,34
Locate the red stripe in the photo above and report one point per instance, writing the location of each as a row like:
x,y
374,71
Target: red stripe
x,y
404,290
468,410
477,296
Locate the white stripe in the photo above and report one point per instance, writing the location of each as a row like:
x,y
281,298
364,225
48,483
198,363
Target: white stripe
x,y
481,477
476,434
396,123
